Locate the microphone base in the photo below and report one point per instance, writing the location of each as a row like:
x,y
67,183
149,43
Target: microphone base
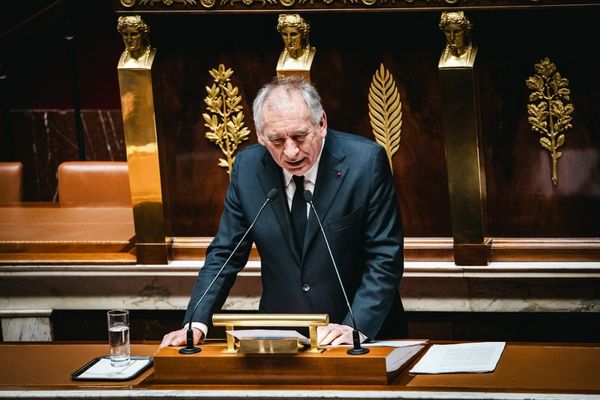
x,y
357,351
190,350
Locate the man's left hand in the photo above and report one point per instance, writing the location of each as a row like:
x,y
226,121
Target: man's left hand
x,y
336,334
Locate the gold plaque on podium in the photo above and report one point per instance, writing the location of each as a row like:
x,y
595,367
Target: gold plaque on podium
x,y
267,345
261,345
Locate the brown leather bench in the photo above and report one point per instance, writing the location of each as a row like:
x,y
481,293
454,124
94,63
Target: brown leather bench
x,y
11,182
94,183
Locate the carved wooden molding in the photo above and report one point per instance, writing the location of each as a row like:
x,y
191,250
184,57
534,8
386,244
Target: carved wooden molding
x,y
432,249
167,6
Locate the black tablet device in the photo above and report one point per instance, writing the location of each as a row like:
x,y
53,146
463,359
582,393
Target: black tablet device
x,y
100,368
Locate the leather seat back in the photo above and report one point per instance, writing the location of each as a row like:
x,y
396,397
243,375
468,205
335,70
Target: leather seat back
x,y
101,183
11,182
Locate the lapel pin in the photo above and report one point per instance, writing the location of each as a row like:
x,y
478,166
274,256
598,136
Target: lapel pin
x,y
339,173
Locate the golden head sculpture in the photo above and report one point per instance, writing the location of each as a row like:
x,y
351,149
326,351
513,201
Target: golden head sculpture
x,y
456,28
297,55
136,37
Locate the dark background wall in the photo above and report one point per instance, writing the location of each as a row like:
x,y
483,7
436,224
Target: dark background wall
x,y
521,201
37,123
36,57
46,77
41,68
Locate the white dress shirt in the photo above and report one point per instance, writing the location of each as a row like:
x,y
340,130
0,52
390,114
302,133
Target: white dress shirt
x,y
310,179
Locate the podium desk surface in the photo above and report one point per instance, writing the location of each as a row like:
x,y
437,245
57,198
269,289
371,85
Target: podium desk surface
x,y
525,371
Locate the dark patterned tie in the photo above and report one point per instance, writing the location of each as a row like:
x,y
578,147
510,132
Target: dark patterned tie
x,y
299,212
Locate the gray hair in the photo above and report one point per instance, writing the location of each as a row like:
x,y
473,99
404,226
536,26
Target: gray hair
x,y
289,84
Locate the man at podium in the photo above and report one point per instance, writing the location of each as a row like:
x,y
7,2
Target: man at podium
x,y
353,195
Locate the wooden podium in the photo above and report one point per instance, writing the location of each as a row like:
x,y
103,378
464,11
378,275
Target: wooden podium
x,y
332,366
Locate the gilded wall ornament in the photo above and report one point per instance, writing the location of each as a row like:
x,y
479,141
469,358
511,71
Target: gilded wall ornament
x,y
225,118
549,112
385,112
166,2
177,5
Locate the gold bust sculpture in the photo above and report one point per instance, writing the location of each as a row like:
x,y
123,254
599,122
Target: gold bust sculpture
x,y
297,55
136,37
459,50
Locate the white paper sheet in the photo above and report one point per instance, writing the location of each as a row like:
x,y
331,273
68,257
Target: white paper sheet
x,y
462,357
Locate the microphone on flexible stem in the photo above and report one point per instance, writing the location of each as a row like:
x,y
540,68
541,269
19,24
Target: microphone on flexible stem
x,y
357,349
190,348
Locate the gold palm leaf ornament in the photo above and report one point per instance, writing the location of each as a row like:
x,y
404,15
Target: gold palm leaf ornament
x,y
385,112
225,118
549,111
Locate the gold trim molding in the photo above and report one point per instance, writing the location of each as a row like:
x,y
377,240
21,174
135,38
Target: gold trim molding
x,y
264,3
168,5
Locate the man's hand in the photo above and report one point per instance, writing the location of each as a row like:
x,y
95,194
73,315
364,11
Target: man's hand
x,y
336,334
179,338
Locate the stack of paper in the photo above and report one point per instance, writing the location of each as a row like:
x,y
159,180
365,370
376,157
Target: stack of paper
x,y
403,351
457,358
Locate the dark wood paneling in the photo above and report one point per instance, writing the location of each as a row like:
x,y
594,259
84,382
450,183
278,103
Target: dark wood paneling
x,y
526,327
415,249
342,71
522,201
563,249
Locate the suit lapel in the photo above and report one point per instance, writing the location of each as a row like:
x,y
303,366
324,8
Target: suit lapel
x,y
332,173
271,177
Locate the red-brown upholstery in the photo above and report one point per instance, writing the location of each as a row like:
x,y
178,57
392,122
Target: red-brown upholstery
x,y
98,183
11,182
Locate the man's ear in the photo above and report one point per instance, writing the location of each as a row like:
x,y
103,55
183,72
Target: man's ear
x,y
323,125
261,139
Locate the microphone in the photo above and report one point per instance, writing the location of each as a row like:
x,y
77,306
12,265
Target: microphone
x,y
190,348
357,349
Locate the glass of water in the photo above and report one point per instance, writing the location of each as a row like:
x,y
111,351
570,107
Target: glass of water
x,y
118,337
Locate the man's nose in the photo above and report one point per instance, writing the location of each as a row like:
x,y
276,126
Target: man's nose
x,y
290,148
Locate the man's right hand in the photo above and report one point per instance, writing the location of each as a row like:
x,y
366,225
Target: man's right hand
x,y
179,338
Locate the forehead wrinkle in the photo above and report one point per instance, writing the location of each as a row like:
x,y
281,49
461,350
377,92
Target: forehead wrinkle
x,y
283,99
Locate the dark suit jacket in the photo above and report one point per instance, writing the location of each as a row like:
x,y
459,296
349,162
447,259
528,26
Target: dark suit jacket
x,y
355,199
